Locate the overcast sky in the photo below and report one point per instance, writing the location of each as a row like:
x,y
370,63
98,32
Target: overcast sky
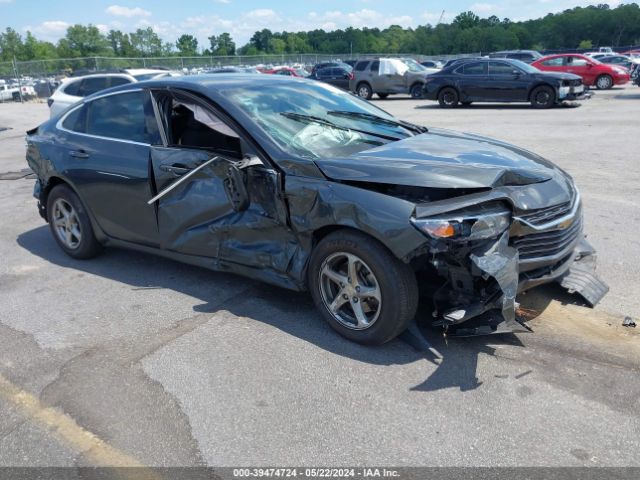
x,y
48,20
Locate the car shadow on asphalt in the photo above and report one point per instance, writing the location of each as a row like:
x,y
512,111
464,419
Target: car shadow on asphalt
x,y
500,106
453,366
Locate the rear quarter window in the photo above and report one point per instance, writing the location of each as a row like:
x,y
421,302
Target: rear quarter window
x,y
361,66
76,120
72,88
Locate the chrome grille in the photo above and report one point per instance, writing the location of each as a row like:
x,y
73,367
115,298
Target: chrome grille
x,y
545,215
547,244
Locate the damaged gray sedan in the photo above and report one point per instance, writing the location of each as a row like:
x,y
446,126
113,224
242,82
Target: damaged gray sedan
x,y
307,187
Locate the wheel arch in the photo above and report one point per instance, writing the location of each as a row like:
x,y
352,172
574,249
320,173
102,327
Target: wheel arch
x,y
454,87
542,84
364,82
52,182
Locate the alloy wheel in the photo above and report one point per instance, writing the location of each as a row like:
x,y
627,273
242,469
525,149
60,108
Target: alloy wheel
x,y
604,82
350,290
543,97
363,91
66,223
449,98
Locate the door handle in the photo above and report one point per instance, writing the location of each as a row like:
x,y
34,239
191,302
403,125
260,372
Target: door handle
x,y
175,169
78,154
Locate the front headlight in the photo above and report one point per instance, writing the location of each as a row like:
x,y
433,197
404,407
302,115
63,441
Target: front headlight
x,y
466,225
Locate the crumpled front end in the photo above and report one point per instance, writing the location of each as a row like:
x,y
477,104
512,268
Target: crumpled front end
x,y
482,277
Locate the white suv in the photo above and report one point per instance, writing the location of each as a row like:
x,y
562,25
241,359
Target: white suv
x,y
76,88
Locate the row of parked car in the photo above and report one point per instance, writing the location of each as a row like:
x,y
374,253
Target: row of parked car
x,y
507,76
517,76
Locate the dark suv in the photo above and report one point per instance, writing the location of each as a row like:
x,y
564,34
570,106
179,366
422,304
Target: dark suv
x,y
526,56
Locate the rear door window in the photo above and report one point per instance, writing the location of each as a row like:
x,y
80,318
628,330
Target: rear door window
x,y
474,68
117,81
92,85
553,62
375,66
124,116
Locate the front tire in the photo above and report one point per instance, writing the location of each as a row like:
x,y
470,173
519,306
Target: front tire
x,y
364,91
448,97
543,97
416,91
70,224
363,292
604,82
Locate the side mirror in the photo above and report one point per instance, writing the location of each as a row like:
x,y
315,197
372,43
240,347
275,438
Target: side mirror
x,y
589,65
516,73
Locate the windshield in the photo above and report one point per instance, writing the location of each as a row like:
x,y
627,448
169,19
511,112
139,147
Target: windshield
x,y
524,66
316,120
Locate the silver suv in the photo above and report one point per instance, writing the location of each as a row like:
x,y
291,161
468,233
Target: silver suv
x,y
386,76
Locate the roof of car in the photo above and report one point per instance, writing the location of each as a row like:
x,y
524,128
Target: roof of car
x,y
207,83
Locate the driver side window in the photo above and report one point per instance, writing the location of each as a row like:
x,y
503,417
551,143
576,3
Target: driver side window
x,y
189,124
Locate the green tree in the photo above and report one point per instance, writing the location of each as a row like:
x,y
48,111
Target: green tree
x,y
187,45
585,44
11,45
83,41
146,42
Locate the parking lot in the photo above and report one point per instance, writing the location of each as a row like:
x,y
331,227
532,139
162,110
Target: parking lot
x,y
134,359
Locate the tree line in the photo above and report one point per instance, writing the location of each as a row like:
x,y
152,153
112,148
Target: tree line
x,y
580,27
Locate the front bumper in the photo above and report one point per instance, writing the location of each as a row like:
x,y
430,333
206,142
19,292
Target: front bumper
x,y
479,296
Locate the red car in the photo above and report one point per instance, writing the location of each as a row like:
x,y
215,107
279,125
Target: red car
x,y
288,71
593,72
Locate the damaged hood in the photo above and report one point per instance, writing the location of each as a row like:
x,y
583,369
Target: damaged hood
x,y
444,159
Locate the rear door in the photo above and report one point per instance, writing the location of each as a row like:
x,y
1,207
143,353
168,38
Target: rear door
x,y
372,74
214,196
473,81
340,78
106,158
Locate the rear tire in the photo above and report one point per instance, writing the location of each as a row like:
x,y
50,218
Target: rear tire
x,y
448,97
543,97
70,224
363,90
604,82
363,292
416,91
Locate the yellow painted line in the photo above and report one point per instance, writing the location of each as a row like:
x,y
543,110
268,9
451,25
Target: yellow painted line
x,y
65,428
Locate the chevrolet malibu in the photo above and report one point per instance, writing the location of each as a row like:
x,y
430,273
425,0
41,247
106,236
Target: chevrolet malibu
x,y
308,187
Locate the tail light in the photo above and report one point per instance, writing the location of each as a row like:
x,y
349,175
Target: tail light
x,y
351,76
